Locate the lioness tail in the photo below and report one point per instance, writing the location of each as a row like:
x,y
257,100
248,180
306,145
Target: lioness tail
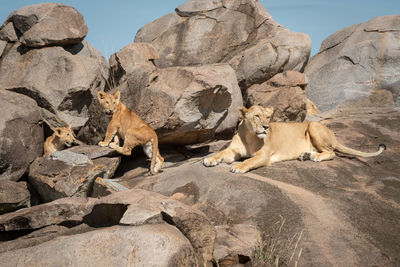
x,y
350,151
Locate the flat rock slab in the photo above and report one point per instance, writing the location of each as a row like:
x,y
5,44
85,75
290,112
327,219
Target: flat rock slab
x,y
68,177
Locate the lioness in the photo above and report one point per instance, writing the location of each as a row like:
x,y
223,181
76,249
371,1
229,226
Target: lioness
x,y
58,140
131,129
266,143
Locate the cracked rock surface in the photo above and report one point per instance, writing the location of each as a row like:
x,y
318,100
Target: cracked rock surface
x,y
370,53
238,32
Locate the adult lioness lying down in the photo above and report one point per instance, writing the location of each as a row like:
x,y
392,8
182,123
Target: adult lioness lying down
x,y
265,143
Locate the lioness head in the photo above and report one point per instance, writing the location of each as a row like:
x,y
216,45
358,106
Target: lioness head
x,y
257,119
65,136
108,102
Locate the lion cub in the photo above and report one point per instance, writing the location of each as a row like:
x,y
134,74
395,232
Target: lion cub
x,y
58,140
131,129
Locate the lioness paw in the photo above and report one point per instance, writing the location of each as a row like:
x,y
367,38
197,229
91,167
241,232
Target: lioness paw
x,y
305,156
103,144
238,168
210,162
315,158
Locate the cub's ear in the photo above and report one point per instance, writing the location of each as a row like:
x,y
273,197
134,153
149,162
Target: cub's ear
x,y
101,95
243,112
117,95
269,110
58,131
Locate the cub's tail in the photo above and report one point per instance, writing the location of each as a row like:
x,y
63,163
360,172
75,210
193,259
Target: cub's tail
x,y
353,152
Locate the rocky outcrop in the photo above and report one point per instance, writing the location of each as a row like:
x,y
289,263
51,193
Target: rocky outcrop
x,y
238,32
367,51
13,196
62,72
135,220
351,201
44,25
285,93
68,174
21,135
61,80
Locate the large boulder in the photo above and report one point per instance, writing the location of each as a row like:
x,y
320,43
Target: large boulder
x,y
147,245
62,80
44,24
238,32
358,67
13,196
45,58
21,135
285,93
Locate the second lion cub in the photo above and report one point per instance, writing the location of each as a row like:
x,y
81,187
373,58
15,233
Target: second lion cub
x,y
133,130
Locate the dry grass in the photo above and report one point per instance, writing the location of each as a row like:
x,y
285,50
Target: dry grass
x,y
278,250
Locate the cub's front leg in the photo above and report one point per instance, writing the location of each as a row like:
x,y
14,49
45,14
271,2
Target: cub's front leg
x,y
260,159
111,131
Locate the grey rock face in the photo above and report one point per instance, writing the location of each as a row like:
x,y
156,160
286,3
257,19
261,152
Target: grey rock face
x,y
358,67
238,32
68,175
284,92
13,196
21,135
44,24
113,246
61,80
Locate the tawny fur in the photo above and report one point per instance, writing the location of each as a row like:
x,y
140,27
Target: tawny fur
x,y
61,138
280,141
133,130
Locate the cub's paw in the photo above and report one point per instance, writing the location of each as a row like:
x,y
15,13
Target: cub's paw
x,y
103,144
113,145
305,156
238,168
210,162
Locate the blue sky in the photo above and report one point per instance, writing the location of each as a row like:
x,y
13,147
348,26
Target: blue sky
x,y
113,24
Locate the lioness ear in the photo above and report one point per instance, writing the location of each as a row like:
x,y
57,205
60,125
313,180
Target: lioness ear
x,y
101,95
117,95
269,110
243,112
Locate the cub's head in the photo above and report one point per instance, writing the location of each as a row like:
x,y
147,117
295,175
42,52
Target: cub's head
x,y
108,102
256,119
65,136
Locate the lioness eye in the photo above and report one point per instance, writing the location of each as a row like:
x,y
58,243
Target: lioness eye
x,y
67,134
257,116
107,102
114,102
